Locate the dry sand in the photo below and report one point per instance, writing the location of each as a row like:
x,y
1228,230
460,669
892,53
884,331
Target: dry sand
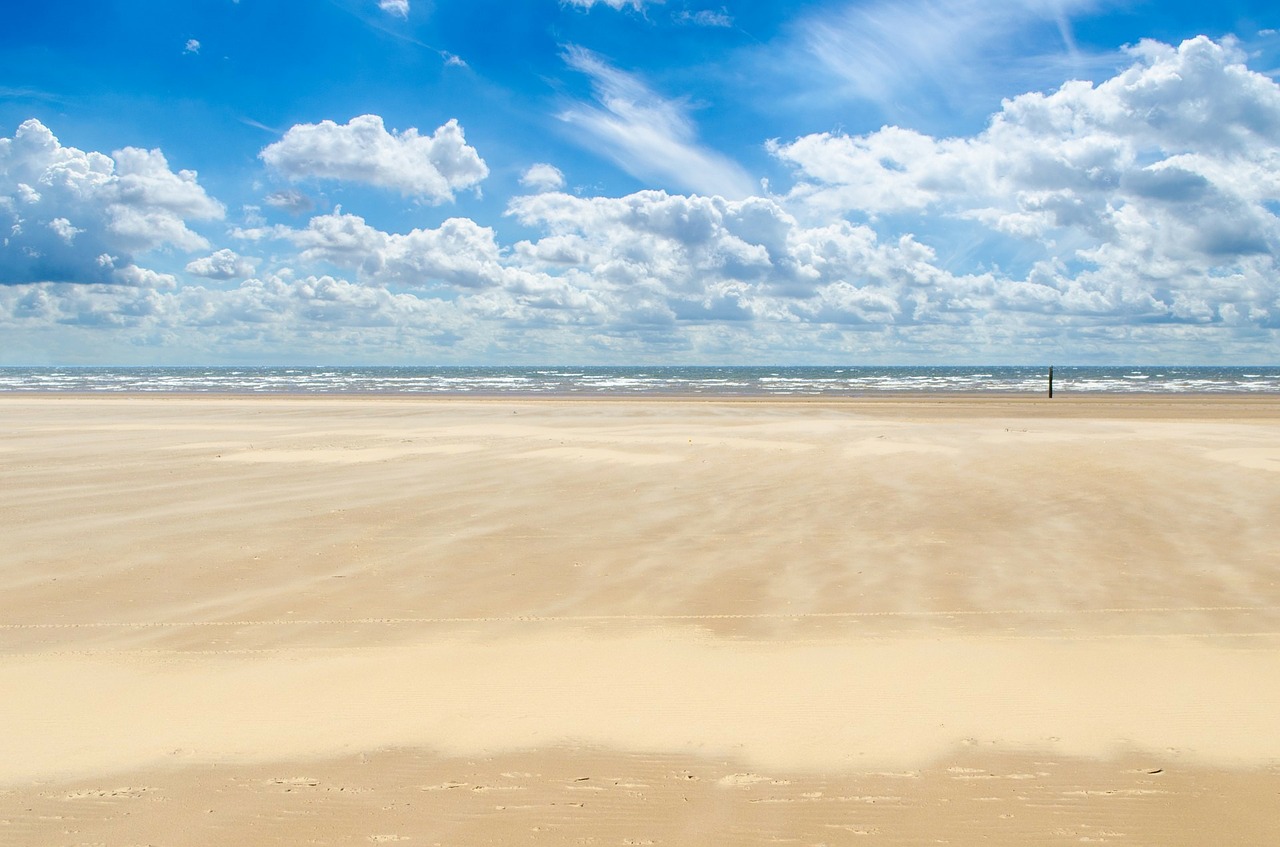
x,y
306,620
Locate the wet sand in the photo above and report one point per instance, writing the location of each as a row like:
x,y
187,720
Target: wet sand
x,y
340,620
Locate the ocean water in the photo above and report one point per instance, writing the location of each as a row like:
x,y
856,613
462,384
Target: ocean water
x,y
667,380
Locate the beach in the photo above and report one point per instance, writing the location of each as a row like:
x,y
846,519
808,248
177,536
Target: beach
x,y
884,620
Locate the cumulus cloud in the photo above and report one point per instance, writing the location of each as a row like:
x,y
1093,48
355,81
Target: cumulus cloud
x,y
712,257
1136,215
192,46
399,8
64,229
543,177
223,264
137,277
459,253
316,316
649,137
280,304
703,276
73,216
1141,195
658,265
430,168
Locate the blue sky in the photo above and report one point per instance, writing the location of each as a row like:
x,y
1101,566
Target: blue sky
x,y
613,181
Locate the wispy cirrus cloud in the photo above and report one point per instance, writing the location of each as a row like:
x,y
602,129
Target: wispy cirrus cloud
x,y
638,5
703,17
896,53
648,136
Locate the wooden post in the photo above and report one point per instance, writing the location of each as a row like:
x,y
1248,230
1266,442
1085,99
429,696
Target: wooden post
x,y
1051,382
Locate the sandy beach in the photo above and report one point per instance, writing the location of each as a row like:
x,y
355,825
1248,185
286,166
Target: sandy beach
x,y
348,620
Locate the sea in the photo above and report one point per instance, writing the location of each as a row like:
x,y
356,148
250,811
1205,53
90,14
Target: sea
x,y
667,380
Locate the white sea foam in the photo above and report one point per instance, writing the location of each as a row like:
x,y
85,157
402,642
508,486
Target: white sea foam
x,y
705,381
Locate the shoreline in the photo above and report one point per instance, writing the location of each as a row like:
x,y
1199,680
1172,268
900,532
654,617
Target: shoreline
x,y
1115,405
673,397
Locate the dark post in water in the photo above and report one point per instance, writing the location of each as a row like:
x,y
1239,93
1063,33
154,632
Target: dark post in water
x,y
1051,382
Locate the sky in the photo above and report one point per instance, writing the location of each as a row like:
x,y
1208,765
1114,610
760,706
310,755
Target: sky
x,y
408,182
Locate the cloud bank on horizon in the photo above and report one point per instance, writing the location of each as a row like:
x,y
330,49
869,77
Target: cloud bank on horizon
x,y
628,181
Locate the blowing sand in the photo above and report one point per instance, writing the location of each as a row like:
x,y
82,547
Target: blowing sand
x,y
294,620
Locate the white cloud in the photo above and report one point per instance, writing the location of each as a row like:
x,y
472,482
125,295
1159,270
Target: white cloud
x,y
1146,192
704,17
1131,219
192,46
291,200
657,271
888,51
75,216
668,268
706,259
650,274
399,8
222,264
647,136
638,5
459,253
279,304
543,177
150,203
137,277
64,229
430,168
262,319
